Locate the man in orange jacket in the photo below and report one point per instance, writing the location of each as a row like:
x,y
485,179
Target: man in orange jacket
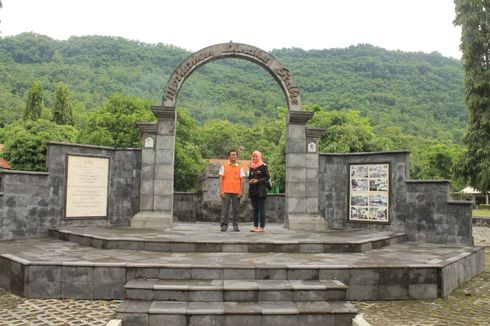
x,y
231,176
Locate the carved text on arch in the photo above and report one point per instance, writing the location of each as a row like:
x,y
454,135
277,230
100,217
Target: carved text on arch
x,y
293,91
249,50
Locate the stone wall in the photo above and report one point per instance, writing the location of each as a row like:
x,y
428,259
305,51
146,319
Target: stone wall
x,y
422,209
191,207
32,202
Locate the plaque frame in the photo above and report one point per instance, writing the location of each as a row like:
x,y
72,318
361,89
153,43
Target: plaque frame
x,y
366,196
67,167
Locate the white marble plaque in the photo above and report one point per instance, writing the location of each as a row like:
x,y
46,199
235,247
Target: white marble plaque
x,y
87,185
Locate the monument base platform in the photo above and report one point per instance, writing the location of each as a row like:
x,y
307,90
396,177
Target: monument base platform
x,y
310,223
152,219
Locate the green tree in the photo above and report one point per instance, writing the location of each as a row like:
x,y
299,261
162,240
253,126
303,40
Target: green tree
x,y
474,18
114,124
345,132
219,136
63,108
35,102
189,164
437,161
25,142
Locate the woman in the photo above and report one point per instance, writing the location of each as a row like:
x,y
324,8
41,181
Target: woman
x,y
258,178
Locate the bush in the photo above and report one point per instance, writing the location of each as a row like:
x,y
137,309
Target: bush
x,y
484,206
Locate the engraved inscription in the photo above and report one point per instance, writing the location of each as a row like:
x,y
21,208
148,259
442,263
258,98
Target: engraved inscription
x,y
86,186
286,78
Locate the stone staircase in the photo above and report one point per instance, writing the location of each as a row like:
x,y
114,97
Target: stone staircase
x,y
235,302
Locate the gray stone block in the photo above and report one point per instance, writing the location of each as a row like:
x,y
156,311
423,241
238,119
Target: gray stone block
x,y
280,320
303,274
206,296
244,320
5,273
169,295
132,319
207,320
364,276
109,291
43,273
310,248
169,273
162,320
17,278
276,295
105,275
344,319
393,292
316,320
50,290
422,291
77,290
140,294
240,296
422,275
142,272
207,273
239,273
309,295
362,292
271,274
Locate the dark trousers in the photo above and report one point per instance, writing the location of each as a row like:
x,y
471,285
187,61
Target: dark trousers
x,y
225,209
258,204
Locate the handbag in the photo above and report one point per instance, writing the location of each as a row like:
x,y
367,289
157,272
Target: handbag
x,y
268,184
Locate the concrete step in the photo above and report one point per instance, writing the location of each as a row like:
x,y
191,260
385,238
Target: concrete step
x,y
235,290
207,238
284,313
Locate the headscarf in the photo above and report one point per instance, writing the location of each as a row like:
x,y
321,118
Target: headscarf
x,y
259,162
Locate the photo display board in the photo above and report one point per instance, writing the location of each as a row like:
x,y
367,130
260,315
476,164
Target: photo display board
x,y
369,193
87,186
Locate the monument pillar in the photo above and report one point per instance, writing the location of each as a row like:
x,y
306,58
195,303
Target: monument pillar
x,y
302,174
157,171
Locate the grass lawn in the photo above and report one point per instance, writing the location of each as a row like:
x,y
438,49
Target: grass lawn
x,y
481,212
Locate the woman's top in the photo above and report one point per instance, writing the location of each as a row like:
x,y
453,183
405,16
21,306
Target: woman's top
x,y
262,175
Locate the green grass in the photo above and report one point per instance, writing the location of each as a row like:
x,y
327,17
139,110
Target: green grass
x,y
481,212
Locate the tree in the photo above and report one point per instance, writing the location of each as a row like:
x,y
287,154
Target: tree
x,y
189,164
474,18
25,142
345,132
114,124
62,112
35,102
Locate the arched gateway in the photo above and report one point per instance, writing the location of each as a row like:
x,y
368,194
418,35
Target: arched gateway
x,y
157,169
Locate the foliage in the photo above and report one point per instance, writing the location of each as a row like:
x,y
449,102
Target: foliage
x,y
345,132
35,102
189,164
114,124
437,161
403,100
25,142
474,18
63,108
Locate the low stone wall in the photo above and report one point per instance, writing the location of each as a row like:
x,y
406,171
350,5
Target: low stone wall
x,y
421,208
32,202
191,207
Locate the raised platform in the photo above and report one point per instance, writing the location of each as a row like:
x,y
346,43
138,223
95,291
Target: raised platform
x,y
206,237
52,268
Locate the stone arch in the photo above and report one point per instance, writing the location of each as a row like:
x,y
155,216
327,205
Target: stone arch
x,y
157,156
233,50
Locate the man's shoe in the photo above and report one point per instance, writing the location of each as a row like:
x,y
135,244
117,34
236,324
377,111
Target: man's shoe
x,y
236,229
224,228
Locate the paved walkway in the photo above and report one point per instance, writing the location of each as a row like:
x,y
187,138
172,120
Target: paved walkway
x,y
468,305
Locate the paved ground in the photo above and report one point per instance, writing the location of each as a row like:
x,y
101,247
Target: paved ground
x,y
468,305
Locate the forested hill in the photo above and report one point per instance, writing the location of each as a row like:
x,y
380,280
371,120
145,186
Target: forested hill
x,y
420,93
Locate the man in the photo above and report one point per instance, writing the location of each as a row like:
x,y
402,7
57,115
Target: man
x,y
231,177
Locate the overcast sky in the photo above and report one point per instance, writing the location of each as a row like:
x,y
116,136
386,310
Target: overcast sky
x,y
407,25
